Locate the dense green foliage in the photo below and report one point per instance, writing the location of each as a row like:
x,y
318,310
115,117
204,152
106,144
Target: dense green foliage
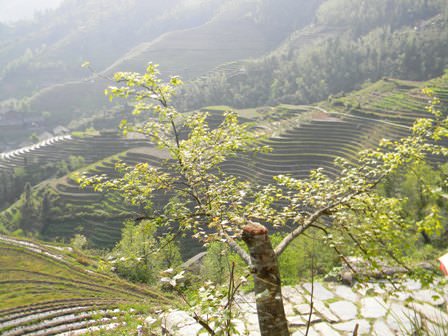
x,y
424,190
12,183
140,255
402,39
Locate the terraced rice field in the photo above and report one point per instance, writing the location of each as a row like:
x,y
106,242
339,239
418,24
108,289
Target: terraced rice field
x,y
302,138
391,100
99,217
92,148
48,291
309,146
193,52
45,290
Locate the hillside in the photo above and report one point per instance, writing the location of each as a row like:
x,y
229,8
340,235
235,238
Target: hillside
x,y
336,54
238,53
254,174
51,49
49,289
301,137
41,61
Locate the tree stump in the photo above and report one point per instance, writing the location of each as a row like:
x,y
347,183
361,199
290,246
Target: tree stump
x,y
268,295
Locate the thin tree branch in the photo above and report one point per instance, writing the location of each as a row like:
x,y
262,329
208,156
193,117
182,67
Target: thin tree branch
x,y
204,324
341,255
317,214
238,249
299,230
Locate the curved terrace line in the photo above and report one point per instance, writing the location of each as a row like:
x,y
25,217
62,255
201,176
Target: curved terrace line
x,y
358,117
27,149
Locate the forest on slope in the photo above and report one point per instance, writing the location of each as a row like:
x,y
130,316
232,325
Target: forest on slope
x,y
349,43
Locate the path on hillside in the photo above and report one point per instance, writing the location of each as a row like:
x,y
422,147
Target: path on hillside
x,y
30,246
339,308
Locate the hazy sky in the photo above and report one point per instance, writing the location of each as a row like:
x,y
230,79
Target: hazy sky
x,y
13,10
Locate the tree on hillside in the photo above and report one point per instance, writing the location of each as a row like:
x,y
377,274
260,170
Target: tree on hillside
x,y
216,206
424,190
27,209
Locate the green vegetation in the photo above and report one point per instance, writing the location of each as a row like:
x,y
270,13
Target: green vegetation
x,y
52,287
311,174
310,256
140,255
401,39
301,138
213,206
53,161
32,171
424,189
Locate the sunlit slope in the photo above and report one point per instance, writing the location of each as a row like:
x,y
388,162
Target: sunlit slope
x,y
47,290
302,138
51,49
188,53
193,52
232,32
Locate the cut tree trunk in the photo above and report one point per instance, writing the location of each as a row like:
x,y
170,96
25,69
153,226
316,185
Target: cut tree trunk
x,y
268,295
